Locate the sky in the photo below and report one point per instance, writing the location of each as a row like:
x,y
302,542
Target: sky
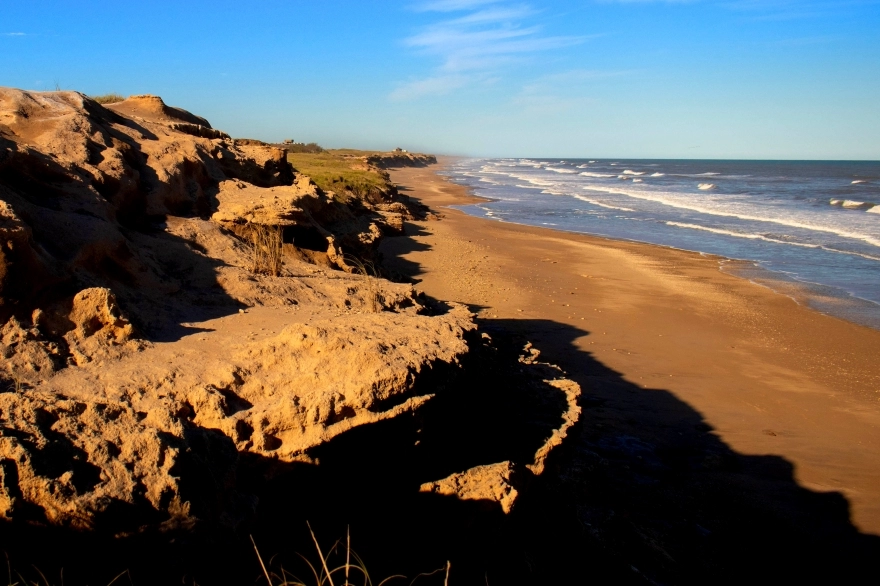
x,y
736,79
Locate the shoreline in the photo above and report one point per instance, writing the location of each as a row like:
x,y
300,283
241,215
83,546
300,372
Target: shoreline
x,y
767,375
830,300
802,294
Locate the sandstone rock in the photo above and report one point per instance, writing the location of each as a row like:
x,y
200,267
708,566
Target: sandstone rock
x,y
492,482
89,464
26,355
126,221
95,313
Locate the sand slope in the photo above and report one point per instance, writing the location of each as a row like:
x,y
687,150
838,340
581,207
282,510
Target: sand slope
x,y
143,353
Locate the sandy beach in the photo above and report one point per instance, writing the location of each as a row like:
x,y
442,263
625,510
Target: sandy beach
x,y
663,340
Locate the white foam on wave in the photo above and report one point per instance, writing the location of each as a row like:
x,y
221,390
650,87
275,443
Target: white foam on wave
x,y
857,205
582,166
637,180
602,205
739,234
664,198
555,170
706,186
526,178
858,181
598,175
852,204
769,239
874,210
538,182
631,172
658,174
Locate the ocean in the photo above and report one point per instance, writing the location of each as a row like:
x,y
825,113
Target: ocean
x,y
808,229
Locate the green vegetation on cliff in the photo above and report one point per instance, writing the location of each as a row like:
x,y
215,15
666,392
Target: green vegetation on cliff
x,y
345,175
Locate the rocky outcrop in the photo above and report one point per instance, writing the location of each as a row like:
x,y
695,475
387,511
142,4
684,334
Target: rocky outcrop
x,y
143,355
492,483
146,359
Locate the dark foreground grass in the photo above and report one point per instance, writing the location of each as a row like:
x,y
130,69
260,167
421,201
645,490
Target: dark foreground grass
x,y
339,565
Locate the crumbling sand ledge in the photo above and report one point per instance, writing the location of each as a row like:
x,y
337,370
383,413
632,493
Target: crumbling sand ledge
x,y
142,352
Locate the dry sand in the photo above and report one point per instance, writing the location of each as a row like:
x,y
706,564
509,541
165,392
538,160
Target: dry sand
x,y
769,376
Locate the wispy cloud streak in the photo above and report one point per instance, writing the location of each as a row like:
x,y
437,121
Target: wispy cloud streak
x,y
475,45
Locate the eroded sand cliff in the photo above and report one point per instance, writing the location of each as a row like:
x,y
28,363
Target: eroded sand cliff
x,y
144,352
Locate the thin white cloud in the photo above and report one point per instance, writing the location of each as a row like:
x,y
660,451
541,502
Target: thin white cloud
x,y
475,45
13,34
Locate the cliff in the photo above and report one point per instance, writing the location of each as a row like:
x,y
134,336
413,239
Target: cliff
x,y
175,303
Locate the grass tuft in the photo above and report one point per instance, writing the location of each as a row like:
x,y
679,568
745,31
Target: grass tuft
x,y
111,98
323,574
266,249
14,383
370,273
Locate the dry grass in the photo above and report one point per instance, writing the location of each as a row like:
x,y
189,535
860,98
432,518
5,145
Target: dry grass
x,y
111,98
16,579
266,249
350,572
371,277
14,383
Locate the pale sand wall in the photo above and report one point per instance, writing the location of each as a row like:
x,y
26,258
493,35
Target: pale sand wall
x,y
770,376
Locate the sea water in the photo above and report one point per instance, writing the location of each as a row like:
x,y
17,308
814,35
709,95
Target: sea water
x,y
806,226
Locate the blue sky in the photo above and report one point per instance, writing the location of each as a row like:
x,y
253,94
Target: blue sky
x,y
603,78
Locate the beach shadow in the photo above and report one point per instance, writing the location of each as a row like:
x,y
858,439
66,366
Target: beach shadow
x,y
641,491
645,484
392,251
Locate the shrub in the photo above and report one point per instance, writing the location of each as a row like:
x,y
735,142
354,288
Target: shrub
x,y
109,98
298,147
266,249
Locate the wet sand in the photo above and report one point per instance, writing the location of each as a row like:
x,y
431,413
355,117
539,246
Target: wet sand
x,y
768,377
